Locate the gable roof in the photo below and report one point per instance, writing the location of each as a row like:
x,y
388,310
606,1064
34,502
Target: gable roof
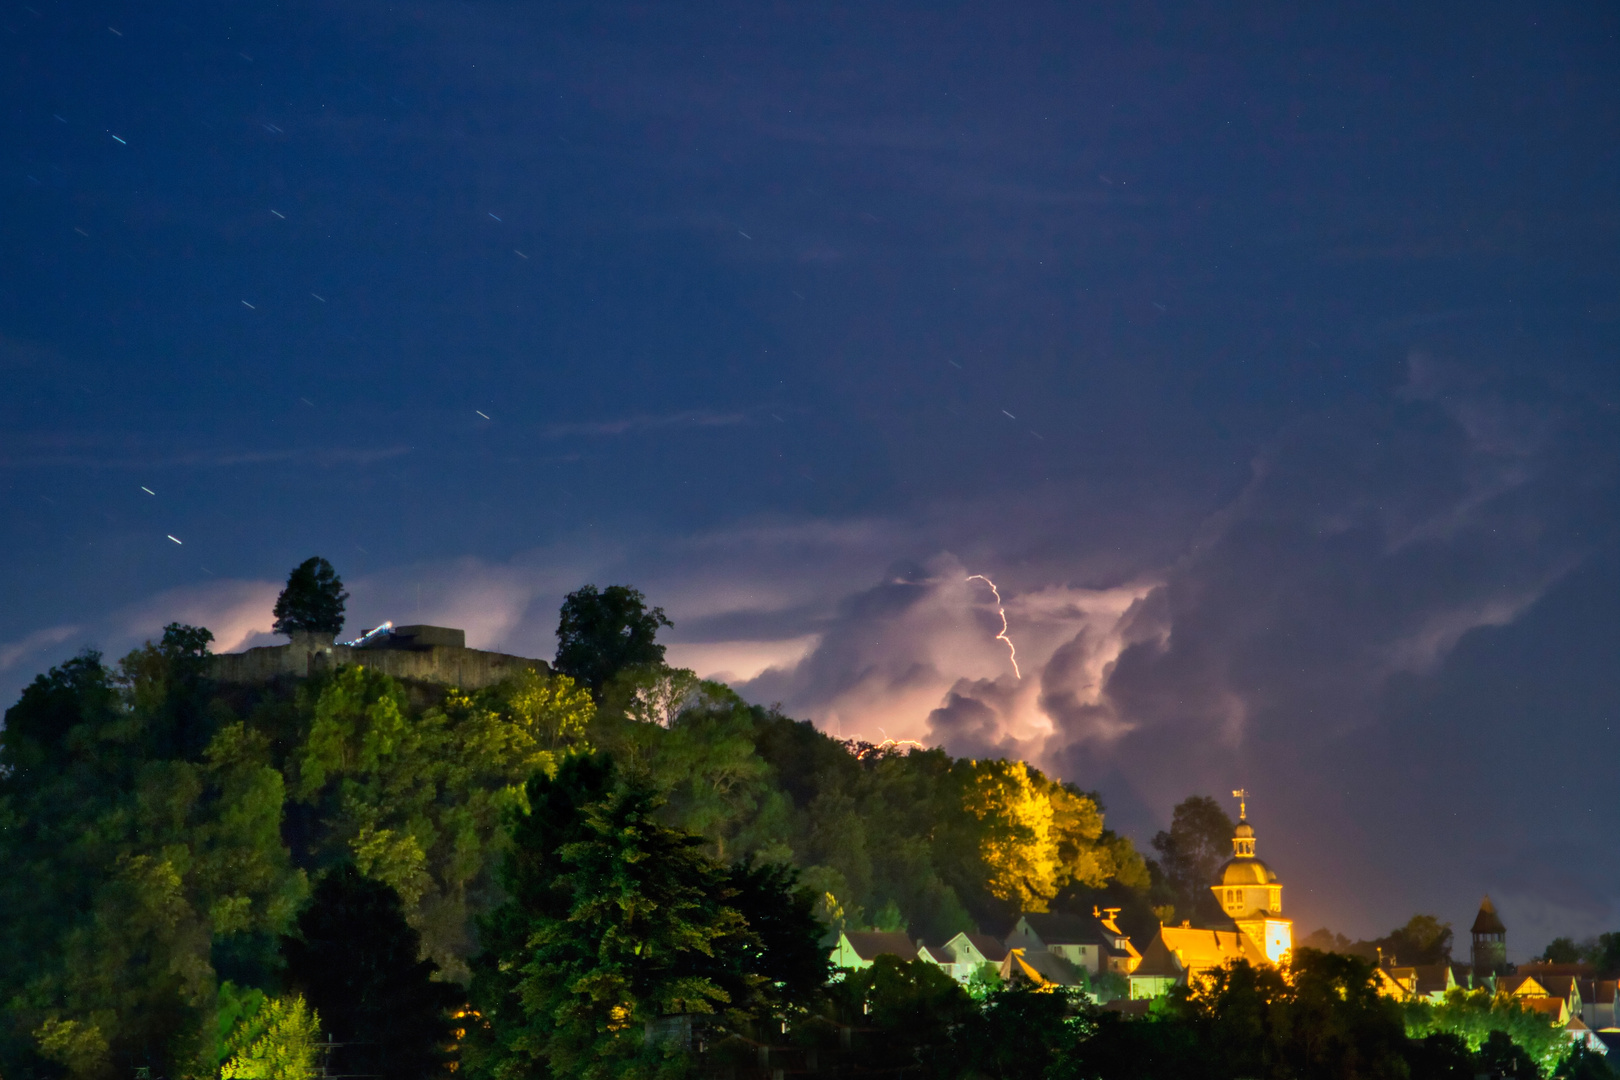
x,y
1061,928
1522,986
1039,968
1487,921
1552,1006
1434,978
1197,949
1541,968
988,947
1158,962
871,944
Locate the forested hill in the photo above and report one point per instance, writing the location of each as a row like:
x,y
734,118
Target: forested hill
x,y
163,833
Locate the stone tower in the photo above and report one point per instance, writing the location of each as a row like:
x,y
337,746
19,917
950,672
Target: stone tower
x,y
1490,940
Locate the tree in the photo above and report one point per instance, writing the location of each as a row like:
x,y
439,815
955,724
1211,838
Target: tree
x,y
277,1040
906,1014
1584,1064
313,600
1503,1059
614,922
1423,940
1478,1016
418,799
782,946
1562,950
355,958
1199,840
1604,952
601,633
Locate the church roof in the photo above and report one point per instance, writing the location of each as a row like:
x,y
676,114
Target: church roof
x,y
1487,921
1246,870
1209,948
1158,962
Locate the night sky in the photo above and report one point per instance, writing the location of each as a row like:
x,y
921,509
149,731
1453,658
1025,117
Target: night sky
x,y
1264,357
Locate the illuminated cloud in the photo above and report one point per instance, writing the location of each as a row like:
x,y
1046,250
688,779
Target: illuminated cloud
x,y
38,641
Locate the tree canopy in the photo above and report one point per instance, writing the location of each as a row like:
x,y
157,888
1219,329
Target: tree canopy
x,y
1198,841
356,960
600,633
313,600
615,922
201,876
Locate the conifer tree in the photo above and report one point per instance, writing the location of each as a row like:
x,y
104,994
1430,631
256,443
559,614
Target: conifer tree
x,y
615,922
355,959
313,600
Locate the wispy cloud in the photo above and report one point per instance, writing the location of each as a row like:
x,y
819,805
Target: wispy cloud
x,y
96,453
629,424
39,640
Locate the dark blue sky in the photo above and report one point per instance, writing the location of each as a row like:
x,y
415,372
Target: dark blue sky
x,y
1264,357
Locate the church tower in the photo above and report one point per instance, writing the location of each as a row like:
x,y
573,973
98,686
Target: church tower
x,y
1490,940
1250,894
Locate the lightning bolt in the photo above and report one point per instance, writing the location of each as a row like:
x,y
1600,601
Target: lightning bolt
x,y
1012,650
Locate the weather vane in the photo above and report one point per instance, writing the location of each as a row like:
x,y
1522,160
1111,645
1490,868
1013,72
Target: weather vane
x,y
1242,796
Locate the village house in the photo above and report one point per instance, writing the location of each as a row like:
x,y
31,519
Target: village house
x,y
1095,944
964,954
857,949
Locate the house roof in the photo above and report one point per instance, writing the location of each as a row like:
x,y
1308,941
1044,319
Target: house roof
x,y
1434,978
1040,968
1539,968
1564,986
1158,962
1487,921
1603,991
988,947
971,948
1389,985
1522,986
1551,1006
1061,928
871,944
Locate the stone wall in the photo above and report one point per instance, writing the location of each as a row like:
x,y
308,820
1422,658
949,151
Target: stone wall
x,y
306,655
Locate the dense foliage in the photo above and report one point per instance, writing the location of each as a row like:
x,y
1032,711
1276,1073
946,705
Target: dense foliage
x,y
1321,1019
614,922
356,960
166,836
208,880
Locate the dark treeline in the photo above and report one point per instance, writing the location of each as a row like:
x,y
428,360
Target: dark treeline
x,y
546,876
